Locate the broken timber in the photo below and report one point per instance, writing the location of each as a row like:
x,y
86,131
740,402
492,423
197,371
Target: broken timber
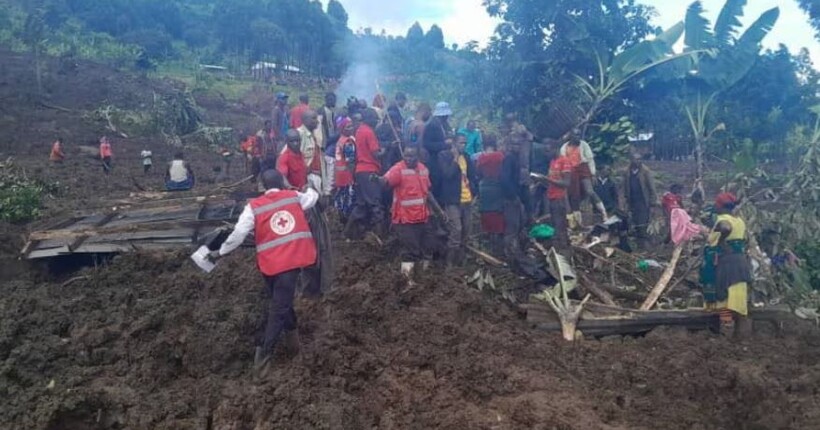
x,y
158,224
602,320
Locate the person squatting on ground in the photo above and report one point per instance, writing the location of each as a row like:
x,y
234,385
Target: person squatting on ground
x,y
180,176
106,155
410,181
726,271
491,196
284,246
582,158
456,197
367,211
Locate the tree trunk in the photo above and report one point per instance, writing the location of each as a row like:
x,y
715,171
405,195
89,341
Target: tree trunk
x,y
659,288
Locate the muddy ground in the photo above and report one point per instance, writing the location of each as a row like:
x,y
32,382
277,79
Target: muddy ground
x,y
148,342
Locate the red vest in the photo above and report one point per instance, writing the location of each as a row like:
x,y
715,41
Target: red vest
x,y
344,174
283,238
410,195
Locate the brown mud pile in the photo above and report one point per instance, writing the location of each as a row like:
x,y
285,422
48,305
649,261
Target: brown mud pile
x,y
148,342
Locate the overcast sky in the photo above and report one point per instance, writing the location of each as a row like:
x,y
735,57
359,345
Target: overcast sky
x,y
465,20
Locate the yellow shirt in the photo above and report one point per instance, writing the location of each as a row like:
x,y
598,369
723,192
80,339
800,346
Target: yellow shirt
x,y
738,229
466,194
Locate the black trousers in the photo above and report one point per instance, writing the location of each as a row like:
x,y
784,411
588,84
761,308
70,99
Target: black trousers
x,y
558,218
281,315
367,211
414,240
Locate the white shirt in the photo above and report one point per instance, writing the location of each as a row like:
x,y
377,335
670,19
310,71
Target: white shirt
x,y
146,157
587,155
247,221
178,171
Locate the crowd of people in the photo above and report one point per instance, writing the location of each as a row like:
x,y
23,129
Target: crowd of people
x,y
387,168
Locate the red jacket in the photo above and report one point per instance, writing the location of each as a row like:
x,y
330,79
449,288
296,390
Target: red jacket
x,y
367,147
296,115
292,166
410,190
344,175
283,238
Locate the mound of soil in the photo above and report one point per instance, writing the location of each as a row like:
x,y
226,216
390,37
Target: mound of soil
x,y
148,342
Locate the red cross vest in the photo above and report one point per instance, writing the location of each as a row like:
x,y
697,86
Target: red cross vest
x,y
283,238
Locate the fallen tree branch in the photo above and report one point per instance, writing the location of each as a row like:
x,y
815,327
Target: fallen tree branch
x,y
596,291
486,257
107,114
659,288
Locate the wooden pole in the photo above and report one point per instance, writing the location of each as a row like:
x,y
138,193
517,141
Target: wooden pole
x,y
659,288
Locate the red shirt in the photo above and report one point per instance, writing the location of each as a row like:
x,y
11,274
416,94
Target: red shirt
x,y
296,115
559,166
292,166
344,176
367,145
105,150
410,190
489,164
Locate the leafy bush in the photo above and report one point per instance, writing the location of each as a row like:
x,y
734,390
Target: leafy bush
x,y
20,197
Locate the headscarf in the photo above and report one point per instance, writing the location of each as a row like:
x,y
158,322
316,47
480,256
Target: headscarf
x,y
342,122
725,201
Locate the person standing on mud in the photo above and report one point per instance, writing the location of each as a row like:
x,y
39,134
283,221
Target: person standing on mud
x,y
57,155
298,110
280,118
491,196
514,194
328,116
726,271
640,196
106,154
410,181
367,210
582,158
284,246
558,180
291,163
147,161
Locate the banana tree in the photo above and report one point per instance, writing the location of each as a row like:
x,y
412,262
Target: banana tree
x,y
723,59
613,74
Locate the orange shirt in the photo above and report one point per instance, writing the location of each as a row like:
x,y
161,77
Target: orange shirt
x,y
105,150
559,166
56,152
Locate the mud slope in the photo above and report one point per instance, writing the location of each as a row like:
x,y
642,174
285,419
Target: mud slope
x,y
147,342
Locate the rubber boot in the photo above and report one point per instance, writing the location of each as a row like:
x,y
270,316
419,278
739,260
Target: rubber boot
x,y
602,209
291,343
407,272
579,219
260,359
573,225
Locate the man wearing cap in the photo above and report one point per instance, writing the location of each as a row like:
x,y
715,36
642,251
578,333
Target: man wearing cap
x,y
434,141
280,119
726,273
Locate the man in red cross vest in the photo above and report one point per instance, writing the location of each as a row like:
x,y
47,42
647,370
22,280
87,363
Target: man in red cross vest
x,y
410,181
284,246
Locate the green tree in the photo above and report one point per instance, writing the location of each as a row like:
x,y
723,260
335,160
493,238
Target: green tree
x,y
729,59
434,37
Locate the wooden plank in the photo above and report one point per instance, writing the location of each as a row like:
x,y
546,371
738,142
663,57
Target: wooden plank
x,y
48,252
